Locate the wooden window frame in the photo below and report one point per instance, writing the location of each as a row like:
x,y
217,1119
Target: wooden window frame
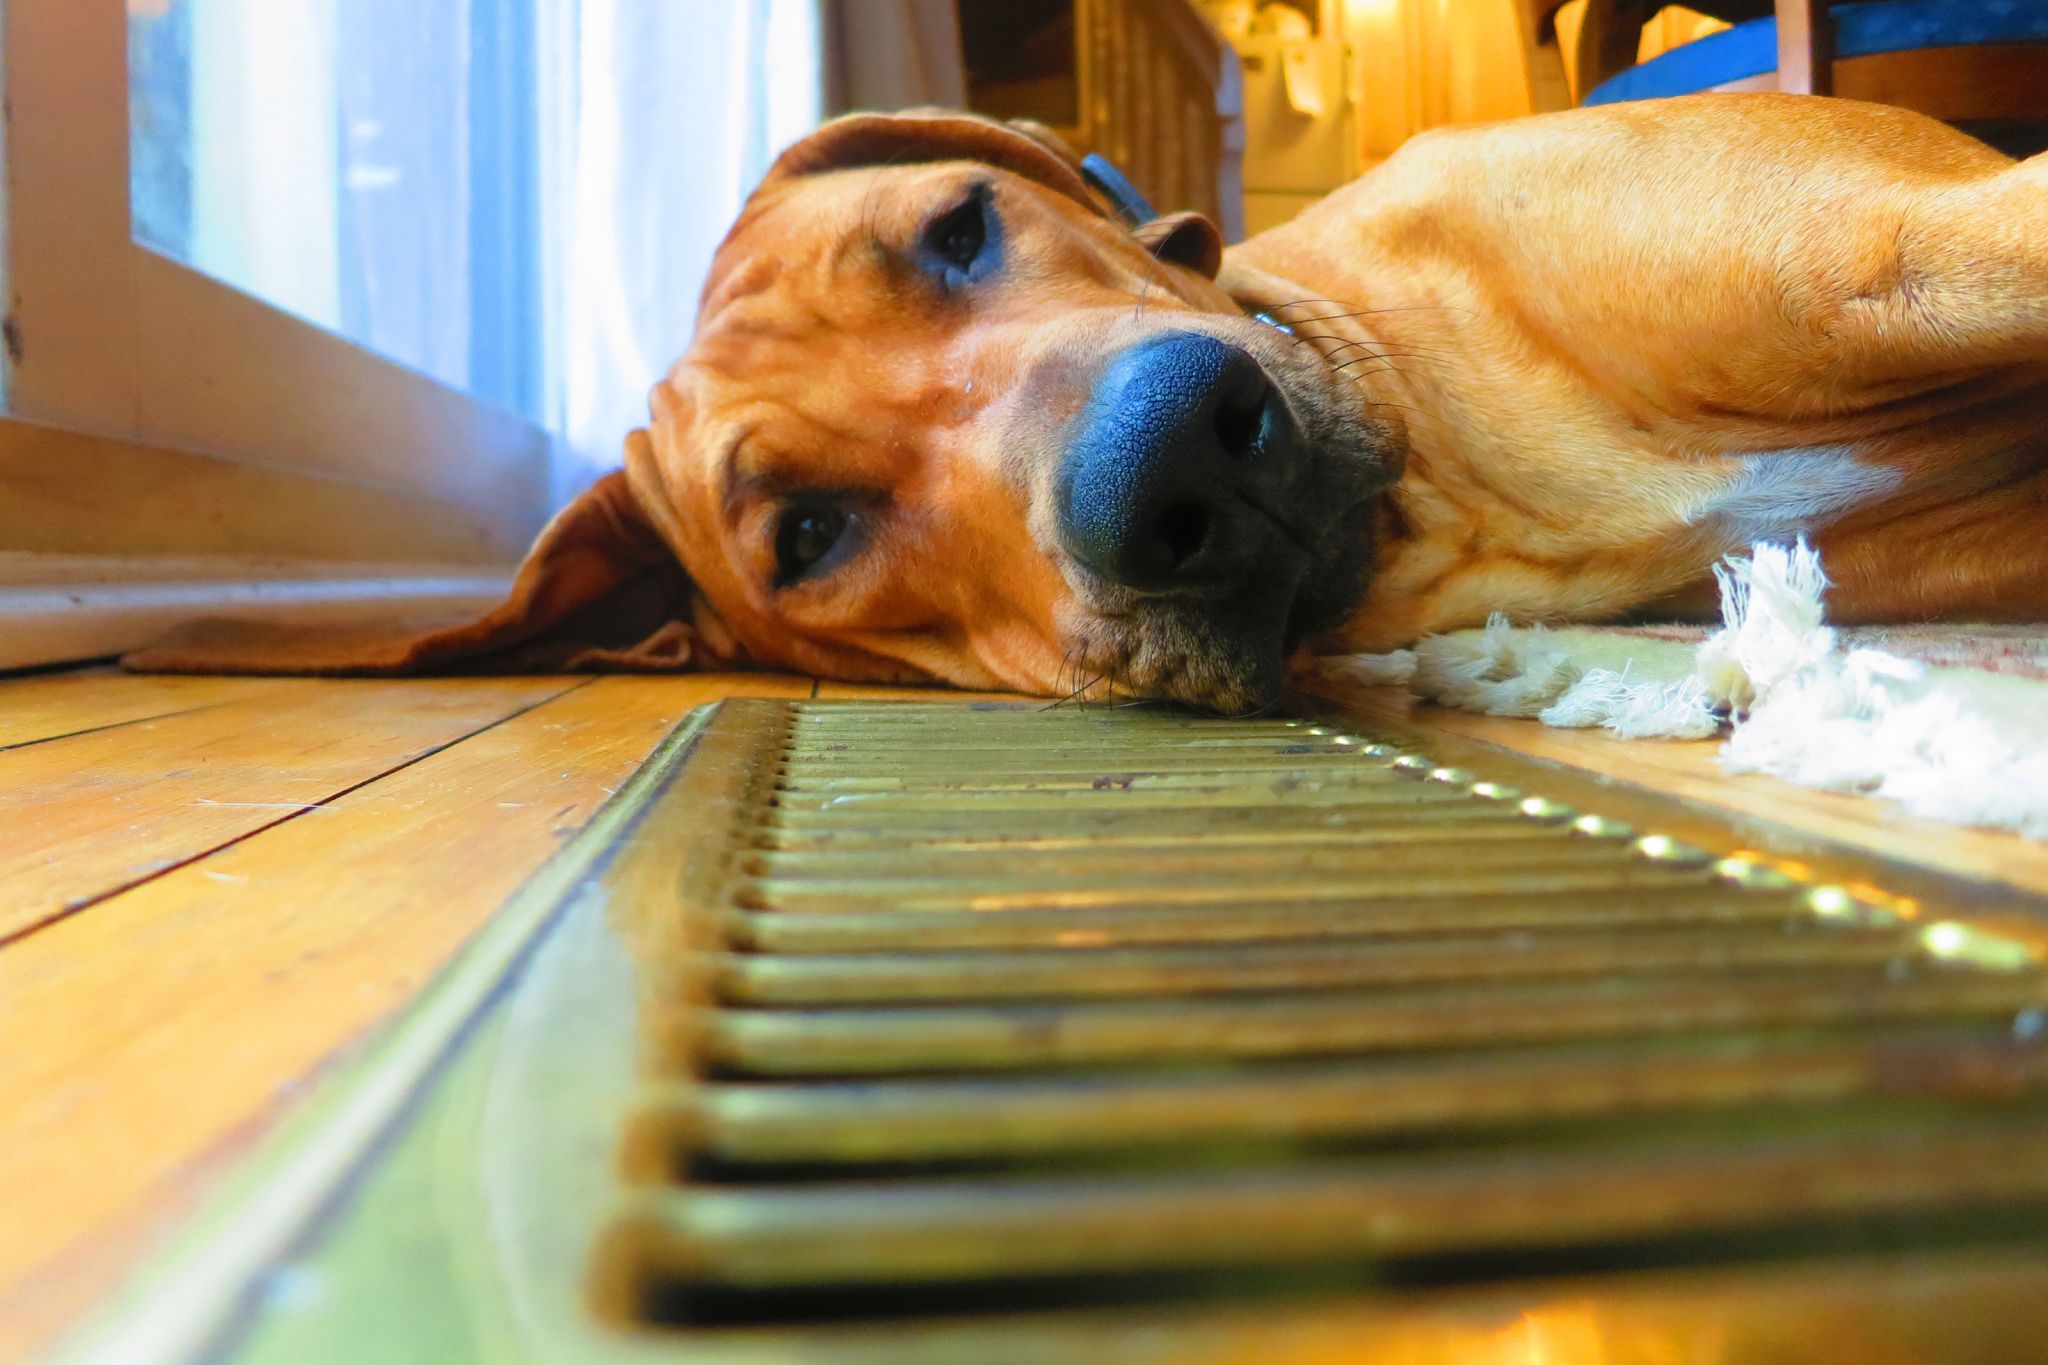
x,y
110,345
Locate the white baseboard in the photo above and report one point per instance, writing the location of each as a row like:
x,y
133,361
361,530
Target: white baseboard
x,y
64,608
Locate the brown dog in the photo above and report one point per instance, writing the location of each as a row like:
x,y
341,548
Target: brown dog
x,y
945,418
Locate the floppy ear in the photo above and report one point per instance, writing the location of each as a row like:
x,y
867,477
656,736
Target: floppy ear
x,y
1025,147
919,135
1184,239
599,590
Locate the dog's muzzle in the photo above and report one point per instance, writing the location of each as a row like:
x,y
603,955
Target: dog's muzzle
x,y
1171,471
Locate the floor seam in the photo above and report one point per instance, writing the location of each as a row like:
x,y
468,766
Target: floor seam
x,y
114,725
78,907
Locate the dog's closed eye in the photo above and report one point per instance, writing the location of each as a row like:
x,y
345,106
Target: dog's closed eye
x,y
961,244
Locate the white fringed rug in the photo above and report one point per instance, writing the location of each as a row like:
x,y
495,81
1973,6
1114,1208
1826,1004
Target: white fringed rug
x,y
1950,721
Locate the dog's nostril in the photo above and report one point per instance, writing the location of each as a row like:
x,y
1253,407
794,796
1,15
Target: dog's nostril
x,y
1239,421
1182,528
1160,487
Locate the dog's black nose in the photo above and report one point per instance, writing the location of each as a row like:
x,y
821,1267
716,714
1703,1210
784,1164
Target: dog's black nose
x,y
1153,491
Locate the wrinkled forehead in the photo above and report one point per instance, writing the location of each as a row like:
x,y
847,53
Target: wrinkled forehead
x,y
829,229
811,331
819,331
795,228
809,361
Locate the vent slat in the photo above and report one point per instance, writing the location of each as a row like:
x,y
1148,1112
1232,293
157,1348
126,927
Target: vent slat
x,y
877,726
962,998
1268,861
1208,767
1272,821
1364,791
948,1231
1188,747
850,894
1388,916
1087,848
766,979
766,1123
843,1041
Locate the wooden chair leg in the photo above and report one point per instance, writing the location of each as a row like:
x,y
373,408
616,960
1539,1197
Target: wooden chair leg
x,y
1806,47
1609,38
1543,56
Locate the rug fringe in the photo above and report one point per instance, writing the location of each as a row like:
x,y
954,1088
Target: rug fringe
x,y
1945,743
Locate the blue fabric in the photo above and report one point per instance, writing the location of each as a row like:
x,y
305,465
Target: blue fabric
x,y
1860,29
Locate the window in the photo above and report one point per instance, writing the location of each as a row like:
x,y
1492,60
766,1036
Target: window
x,y
331,300
369,166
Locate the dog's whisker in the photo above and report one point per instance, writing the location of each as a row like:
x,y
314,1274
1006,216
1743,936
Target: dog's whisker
x,y
1155,273
1377,403
1366,312
1059,674
1331,336
1416,353
1370,347
1387,359
1328,354
1378,348
1358,377
1304,303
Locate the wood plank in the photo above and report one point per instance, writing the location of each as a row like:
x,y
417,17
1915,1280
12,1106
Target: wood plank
x,y
218,369
151,501
95,812
72,352
149,1041
45,706
1692,770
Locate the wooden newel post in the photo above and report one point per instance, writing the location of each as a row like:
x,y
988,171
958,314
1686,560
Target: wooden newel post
x,y
1806,47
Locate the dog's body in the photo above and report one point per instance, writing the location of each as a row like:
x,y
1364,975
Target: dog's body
x,y
944,418
1630,340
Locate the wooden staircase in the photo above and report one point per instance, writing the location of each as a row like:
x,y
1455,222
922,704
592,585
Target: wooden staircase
x,y
1149,84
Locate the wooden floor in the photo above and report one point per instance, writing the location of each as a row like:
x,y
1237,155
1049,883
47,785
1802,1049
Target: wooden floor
x,y
211,889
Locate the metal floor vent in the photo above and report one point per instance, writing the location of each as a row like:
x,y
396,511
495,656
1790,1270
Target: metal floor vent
x,y
920,1033
985,1007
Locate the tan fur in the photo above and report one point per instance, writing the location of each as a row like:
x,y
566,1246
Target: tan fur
x,y
1585,325
1591,316
1612,345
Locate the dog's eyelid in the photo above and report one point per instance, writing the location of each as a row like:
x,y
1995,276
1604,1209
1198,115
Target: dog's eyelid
x,y
962,245
785,488
980,193
734,483
850,527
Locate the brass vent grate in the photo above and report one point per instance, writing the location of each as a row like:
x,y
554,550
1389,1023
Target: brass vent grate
x,y
964,1005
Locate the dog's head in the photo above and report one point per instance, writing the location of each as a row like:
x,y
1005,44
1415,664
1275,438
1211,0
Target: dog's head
x,y
945,418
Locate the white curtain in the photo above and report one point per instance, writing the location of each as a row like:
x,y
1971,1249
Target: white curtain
x,y
371,165
893,54
665,116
